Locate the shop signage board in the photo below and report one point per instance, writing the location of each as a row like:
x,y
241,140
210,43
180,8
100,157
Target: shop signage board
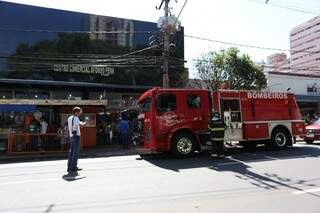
x,y
102,70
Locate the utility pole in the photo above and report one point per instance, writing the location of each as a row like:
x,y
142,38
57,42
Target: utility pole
x,y
166,43
165,77
169,25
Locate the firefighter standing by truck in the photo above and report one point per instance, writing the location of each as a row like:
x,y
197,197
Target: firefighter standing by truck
x,y
217,128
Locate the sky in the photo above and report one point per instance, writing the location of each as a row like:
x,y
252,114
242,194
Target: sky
x,y
250,22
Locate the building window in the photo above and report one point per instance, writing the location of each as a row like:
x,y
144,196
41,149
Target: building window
x,y
97,28
96,96
71,95
5,94
32,94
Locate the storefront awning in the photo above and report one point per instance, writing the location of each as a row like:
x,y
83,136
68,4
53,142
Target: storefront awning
x,y
17,108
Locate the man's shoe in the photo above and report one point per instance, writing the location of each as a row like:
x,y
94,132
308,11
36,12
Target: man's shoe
x,y
213,155
78,169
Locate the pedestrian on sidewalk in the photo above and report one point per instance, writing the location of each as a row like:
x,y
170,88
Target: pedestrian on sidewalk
x,y
43,131
63,133
124,131
74,124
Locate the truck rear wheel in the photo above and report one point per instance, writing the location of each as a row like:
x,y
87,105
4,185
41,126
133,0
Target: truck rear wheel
x,y
183,145
280,139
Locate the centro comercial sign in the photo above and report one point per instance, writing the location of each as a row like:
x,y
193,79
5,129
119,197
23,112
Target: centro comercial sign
x,y
102,70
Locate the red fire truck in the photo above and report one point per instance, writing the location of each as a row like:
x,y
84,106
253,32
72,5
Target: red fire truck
x,y
177,120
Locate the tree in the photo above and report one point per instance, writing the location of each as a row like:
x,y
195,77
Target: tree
x,y
228,66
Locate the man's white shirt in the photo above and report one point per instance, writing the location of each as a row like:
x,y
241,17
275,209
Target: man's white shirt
x,y
76,125
44,127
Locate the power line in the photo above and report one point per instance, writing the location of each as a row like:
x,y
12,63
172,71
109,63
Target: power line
x,y
263,66
247,45
73,31
93,60
138,51
181,11
289,7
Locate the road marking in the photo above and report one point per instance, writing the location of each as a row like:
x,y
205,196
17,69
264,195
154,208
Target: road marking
x,y
28,181
306,191
234,161
230,163
295,156
272,158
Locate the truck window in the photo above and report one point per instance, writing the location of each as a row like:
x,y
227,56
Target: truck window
x,y
166,102
145,105
193,101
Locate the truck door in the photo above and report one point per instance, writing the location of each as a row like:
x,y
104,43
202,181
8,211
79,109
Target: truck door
x,y
167,114
196,110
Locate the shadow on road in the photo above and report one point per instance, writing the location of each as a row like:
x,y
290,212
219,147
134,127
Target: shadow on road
x,y
236,161
49,209
72,176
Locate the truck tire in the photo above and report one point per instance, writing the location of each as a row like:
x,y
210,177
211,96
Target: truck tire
x,y
280,139
183,145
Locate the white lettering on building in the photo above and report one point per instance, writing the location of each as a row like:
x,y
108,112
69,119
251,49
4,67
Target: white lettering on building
x,y
266,95
102,70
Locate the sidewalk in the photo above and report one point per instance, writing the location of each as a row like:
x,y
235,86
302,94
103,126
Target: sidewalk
x,y
105,151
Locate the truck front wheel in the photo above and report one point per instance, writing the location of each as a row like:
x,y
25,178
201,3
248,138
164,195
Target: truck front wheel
x,y
280,139
183,145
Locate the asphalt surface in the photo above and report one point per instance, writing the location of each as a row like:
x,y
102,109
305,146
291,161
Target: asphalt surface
x,y
259,181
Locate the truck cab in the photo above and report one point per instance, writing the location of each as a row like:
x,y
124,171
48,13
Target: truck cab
x,y
177,115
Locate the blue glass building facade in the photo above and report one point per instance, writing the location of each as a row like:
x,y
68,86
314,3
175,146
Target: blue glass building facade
x,y
34,39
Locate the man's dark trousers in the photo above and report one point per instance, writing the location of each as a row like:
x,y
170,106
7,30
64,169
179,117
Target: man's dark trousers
x,y
217,129
124,140
73,153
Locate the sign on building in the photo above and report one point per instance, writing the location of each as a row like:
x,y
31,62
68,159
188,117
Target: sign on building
x,y
102,70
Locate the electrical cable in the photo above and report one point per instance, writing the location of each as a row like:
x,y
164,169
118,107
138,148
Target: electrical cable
x,y
72,31
180,12
249,46
289,7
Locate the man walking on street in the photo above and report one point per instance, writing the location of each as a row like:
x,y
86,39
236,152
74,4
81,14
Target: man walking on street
x,y
74,124
217,128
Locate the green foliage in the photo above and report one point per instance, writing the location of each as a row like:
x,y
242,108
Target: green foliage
x,y
228,66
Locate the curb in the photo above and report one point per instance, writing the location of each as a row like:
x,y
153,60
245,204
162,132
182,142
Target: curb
x,y
62,156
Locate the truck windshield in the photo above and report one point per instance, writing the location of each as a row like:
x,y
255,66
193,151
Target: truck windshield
x,y
145,105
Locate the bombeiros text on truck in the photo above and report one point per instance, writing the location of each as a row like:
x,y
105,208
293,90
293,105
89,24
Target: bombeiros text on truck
x,y
176,120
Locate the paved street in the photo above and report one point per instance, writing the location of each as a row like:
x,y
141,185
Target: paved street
x,y
261,181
